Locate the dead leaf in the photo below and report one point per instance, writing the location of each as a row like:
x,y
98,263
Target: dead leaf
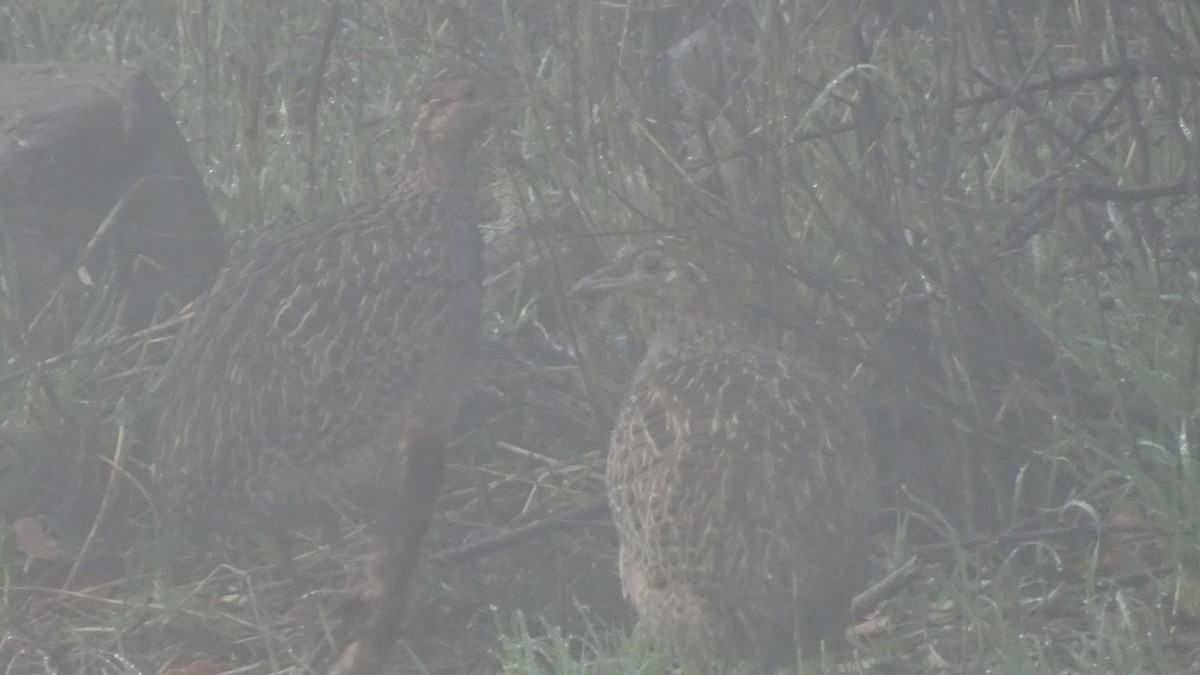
x,y
1131,542
874,625
33,541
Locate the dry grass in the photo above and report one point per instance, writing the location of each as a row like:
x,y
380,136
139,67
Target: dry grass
x,y
984,218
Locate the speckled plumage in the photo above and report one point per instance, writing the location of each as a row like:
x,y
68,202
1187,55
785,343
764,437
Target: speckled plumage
x,y
330,360
739,478
322,340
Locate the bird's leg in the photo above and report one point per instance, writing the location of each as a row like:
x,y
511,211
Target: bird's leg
x,y
403,520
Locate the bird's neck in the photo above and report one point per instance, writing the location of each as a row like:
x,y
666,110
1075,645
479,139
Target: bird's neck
x,y
445,161
455,173
429,174
684,328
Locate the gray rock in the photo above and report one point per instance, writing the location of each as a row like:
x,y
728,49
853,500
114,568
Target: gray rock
x,y
99,200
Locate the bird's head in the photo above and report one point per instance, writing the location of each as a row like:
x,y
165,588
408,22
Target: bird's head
x,y
666,273
456,110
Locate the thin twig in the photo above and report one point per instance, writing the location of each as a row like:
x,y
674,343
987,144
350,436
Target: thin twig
x,y
125,340
884,588
488,545
111,492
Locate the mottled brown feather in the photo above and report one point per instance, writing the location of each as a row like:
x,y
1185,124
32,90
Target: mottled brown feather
x,y
739,478
323,341
328,365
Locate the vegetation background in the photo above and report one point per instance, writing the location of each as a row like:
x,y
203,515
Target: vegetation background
x,y
982,214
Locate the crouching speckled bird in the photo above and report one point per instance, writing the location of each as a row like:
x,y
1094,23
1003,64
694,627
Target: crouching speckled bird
x,y
739,478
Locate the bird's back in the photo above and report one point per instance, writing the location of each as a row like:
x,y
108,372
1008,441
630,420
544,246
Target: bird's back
x,y
315,345
739,483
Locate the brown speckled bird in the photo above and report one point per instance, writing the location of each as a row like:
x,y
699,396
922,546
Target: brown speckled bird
x,y
739,478
329,362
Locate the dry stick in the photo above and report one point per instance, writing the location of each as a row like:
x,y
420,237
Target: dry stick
x,y
1074,150
111,490
599,507
161,327
1073,145
487,545
1130,68
1015,237
899,577
884,588
1110,193
1149,532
